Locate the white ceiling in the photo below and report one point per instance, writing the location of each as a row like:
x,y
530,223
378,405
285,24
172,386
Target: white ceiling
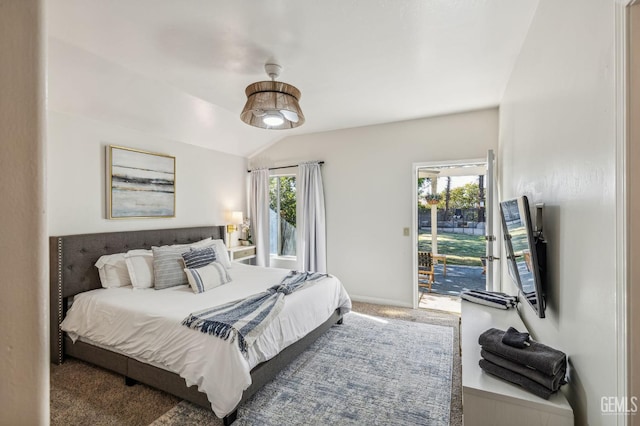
x,y
178,69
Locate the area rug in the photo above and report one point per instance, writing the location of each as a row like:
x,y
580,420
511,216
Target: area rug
x,y
369,370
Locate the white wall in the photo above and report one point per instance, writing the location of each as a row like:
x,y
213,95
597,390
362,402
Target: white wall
x,y
368,192
24,316
85,84
208,183
557,146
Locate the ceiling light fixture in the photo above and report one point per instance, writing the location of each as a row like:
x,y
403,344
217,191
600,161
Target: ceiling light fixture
x,y
272,104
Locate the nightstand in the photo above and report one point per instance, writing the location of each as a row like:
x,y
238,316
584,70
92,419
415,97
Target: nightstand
x,y
241,253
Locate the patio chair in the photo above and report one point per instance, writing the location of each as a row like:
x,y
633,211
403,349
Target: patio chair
x,y
425,270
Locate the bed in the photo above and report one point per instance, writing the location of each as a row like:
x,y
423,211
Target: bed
x,y
73,274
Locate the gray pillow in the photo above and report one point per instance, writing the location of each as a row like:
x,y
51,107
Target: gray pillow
x,y
168,266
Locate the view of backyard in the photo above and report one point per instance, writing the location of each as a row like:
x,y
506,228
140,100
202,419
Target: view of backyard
x,y
461,249
455,204
459,214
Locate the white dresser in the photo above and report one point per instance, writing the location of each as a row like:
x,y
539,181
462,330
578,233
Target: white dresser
x,y
489,401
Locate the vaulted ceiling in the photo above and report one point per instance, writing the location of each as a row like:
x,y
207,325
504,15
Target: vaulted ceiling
x,y
178,69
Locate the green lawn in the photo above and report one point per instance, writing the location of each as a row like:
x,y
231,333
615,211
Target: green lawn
x,y
461,249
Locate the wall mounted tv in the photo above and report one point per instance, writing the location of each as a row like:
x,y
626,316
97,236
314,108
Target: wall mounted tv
x,y
526,251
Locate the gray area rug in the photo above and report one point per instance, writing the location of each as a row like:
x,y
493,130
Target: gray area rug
x,y
370,370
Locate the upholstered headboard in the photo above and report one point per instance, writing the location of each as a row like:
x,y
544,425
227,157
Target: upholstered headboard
x,y
72,260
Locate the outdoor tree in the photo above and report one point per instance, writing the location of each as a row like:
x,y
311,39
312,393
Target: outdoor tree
x,y
465,197
287,190
424,188
481,198
447,197
283,190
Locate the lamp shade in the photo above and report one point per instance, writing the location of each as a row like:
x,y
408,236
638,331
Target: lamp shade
x,y
272,105
236,217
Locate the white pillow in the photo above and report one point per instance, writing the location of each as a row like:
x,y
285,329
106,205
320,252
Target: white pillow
x,y
222,255
198,244
113,270
208,277
201,244
140,266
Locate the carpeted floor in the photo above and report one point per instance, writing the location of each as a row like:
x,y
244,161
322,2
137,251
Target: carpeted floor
x,y
82,394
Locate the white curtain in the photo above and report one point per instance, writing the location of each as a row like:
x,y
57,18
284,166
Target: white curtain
x,y
311,247
259,214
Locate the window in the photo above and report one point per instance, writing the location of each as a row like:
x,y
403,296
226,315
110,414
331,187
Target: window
x,y
282,215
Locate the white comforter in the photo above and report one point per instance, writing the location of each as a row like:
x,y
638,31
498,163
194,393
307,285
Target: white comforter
x,y
146,325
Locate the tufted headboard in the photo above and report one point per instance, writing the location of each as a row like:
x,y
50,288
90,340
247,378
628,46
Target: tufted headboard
x,y
72,259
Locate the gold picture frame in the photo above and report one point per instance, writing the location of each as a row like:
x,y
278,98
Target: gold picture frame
x,y
140,184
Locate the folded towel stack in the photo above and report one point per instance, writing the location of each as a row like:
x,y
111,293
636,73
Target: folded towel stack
x,y
490,298
513,337
535,367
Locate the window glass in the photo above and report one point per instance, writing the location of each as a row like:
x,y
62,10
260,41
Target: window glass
x,y
282,215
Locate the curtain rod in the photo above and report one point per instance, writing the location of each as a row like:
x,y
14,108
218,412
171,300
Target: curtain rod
x,y
285,167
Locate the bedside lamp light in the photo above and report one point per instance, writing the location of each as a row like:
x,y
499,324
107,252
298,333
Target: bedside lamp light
x,y
234,218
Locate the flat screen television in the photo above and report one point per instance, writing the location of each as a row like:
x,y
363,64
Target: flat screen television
x,y
526,251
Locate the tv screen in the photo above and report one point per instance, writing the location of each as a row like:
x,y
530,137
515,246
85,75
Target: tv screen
x,y
526,252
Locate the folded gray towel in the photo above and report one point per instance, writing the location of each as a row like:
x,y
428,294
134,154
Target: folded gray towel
x,y
516,379
552,383
513,337
537,356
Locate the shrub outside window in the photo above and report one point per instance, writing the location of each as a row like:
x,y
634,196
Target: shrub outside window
x,y
282,215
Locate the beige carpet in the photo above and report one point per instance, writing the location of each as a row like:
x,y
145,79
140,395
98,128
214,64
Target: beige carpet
x,y
82,394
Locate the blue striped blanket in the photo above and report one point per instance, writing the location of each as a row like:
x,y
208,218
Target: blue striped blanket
x,y
490,298
245,320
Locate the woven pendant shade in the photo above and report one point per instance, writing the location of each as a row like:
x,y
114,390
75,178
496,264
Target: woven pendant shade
x,y
272,105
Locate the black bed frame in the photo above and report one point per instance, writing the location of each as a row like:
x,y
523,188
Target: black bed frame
x,y
72,271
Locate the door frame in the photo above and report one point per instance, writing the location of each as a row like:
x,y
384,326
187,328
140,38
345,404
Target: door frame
x,y
414,211
627,198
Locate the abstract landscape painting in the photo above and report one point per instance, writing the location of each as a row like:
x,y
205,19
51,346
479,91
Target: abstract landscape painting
x,y
141,184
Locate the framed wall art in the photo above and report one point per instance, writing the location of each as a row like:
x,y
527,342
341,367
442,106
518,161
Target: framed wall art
x,y
140,184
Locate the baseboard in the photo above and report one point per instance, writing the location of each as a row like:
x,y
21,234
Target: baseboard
x,y
379,301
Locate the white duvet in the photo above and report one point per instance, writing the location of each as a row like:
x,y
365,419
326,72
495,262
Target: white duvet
x,y
146,325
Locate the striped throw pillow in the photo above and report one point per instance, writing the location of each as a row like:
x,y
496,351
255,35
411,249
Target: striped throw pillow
x,y
208,277
197,258
168,266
